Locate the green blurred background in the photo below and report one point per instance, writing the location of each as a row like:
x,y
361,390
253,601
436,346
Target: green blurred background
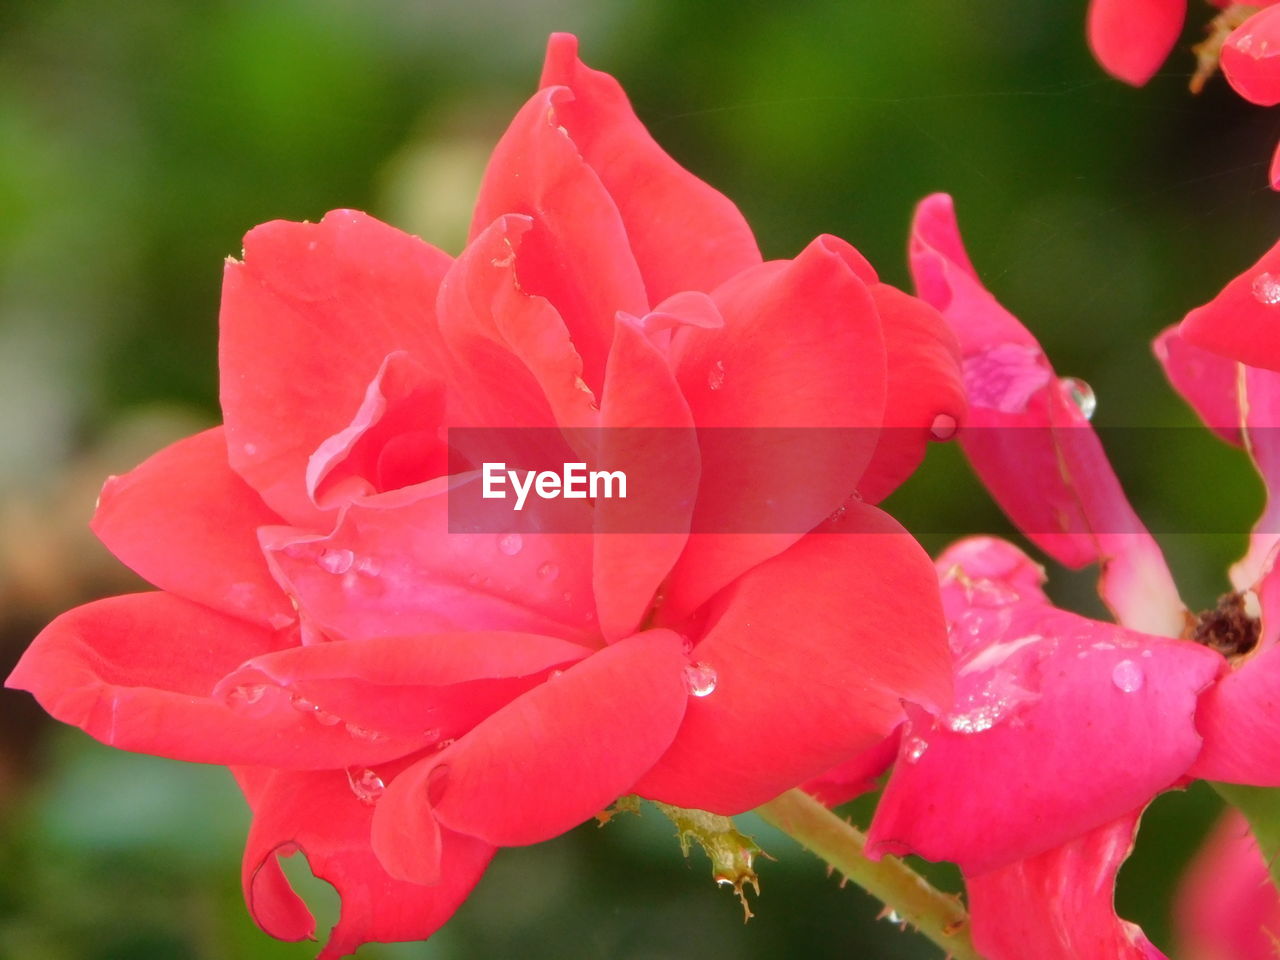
x,y
139,141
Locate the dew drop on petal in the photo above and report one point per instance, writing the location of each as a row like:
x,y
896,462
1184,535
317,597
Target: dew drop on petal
x,y
336,561
715,375
943,427
1081,395
510,544
369,566
894,917
366,785
1127,676
701,679
301,704
548,571
1266,289
915,748
327,719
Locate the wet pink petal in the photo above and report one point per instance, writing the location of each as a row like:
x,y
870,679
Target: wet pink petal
x,y
1251,58
1028,437
392,567
1243,321
307,319
799,675
1059,905
596,727
1227,908
855,777
1131,38
651,190
326,815
789,395
1059,723
576,253
184,521
141,672
1207,381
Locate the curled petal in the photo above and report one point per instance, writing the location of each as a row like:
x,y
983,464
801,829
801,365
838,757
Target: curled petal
x,y
565,749
1251,58
139,672
1062,901
1241,321
1059,724
1131,38
685,234
327,815
306,321
393,567
1240,721
804,673
188,524
788,397
925,398
1030,442
1208,382
576,253
855,777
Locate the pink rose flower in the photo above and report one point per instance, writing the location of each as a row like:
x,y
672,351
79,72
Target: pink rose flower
x,y
396,699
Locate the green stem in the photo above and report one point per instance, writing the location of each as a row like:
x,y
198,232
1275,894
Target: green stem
x,y
939,916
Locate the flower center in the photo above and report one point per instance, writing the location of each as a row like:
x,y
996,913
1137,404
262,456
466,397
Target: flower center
x,y
1227,628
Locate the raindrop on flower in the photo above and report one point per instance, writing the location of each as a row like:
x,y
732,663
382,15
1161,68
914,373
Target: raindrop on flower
x,y
301,704
1266,289
548,571
701,679
510,543
943,427
326,718
369,566
1127,676
336,561
894,917
1080,394
715,375
366,785
915,749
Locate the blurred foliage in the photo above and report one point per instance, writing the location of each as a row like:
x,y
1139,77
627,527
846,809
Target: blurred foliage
x,y
138,142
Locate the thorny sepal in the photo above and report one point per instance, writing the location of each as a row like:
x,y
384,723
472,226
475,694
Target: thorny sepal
x,y
628,804
731,852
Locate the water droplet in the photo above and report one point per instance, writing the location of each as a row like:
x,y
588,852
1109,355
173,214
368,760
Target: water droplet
x,y
366,785
1080,394
369,566
555,673
1266,289
548,571
510,543
915,749
358,732
336,561
715,375
248,693
701,679
250,449
326,718
893,916
943,427
301,704
1127,676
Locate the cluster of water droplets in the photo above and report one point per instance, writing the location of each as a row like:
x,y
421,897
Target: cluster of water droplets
x,y
259,697
715,375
